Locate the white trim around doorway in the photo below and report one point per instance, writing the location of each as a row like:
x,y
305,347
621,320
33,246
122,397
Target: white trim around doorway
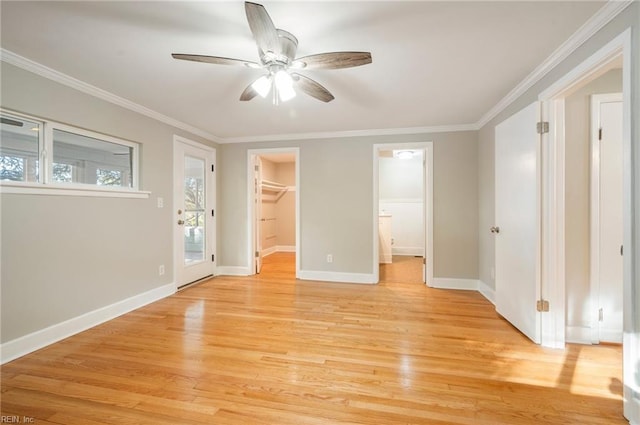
x,y
251,245
595,65
427,147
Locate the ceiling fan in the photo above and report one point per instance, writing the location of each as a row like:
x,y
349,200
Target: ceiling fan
x,y
277,51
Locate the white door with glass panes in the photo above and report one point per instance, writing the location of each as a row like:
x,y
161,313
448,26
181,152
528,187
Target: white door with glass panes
x,y
194,211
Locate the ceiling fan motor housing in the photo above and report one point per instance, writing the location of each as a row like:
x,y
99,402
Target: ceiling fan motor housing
x,y
288,49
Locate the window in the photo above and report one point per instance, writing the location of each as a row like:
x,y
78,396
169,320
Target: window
x,y
62,156
79,158
19,149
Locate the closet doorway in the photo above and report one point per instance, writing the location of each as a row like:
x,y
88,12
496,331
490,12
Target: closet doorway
x,y
273,207
403,208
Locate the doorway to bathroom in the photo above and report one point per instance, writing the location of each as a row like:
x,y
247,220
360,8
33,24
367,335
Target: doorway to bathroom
x,y
403,181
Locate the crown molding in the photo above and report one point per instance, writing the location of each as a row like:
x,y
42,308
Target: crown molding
x,y
351,133
602,17
609,11
59,77
51,74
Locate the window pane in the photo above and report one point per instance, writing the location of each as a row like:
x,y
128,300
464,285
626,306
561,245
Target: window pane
x,y
62,173
19,149
83,159
109,177
194,215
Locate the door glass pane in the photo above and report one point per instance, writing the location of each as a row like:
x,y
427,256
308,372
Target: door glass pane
x,y
19,149
194,218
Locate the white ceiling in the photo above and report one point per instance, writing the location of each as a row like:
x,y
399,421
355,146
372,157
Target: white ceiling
x,y
434,63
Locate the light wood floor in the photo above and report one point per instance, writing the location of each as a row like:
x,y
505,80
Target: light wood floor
x,y
402,269
272,350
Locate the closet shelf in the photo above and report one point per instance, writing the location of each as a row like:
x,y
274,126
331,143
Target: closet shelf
x,y
272,191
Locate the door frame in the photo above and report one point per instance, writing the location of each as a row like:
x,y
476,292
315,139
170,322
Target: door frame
x,y
252,154
211,203
427,202
595,223
553,171
553,213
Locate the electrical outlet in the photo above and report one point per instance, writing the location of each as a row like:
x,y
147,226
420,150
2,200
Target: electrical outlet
x,y
160,202
329,258
161,269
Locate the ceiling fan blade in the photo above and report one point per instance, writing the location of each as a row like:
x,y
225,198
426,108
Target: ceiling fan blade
x,y
262,28
215,60
332,60
312,88
248,93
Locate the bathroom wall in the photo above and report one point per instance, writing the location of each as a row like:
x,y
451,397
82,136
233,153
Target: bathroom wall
x,y
401,192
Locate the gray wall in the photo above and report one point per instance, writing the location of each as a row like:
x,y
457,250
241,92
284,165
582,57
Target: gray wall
x,y
577,194
336,202
628,18
64,256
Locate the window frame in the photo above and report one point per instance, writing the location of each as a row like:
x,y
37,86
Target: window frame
x,y
47,186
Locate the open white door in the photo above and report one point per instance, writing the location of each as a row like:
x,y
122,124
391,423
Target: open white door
x,y
517,225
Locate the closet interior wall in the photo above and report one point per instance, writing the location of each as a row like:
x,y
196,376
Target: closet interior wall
x,y
278,207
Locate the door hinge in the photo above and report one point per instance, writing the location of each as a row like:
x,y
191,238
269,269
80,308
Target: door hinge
x,y
542,305
256,168
213,257
600,133
213,213
600,315
622,250
257,254
213,168
542,127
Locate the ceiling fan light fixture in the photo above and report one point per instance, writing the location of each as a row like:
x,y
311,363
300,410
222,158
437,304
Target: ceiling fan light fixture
x,y
284,85
277,50
262,85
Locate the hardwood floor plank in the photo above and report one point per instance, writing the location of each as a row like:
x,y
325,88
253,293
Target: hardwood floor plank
x,y
268,349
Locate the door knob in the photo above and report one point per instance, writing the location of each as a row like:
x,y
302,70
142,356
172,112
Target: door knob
x,y
180,222
495,229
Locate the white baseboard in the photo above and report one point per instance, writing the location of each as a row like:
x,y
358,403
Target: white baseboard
x,y
578,334
408,250
278,248
584,335
611,336
336,276
487,291
454,283
286,248
18,347
386,259
234,271
268,251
